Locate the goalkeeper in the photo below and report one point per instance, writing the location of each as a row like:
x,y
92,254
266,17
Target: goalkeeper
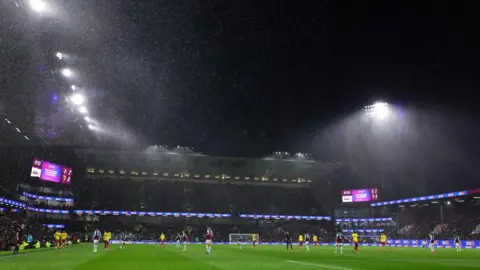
x,y
240,241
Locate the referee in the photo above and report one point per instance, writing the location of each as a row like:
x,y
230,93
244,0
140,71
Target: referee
x,y
288,240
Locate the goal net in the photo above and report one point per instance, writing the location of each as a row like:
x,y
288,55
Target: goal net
x,y
242,237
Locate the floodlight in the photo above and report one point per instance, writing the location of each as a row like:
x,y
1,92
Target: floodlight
x,y
378,111
67,72
18,130
83,110
37,5
8,121
59,55
90,126
26,138
87,119
77,99
73,87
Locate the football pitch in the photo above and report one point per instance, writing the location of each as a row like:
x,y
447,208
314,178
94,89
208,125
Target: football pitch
x,y
147,257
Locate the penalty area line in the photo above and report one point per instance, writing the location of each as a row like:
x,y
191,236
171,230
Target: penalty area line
x,y
319,265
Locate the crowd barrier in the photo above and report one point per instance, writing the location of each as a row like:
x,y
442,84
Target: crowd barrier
x,y
338,220
50,211
12,203
48,198
54,226
390,243
423,198
364,230
287,217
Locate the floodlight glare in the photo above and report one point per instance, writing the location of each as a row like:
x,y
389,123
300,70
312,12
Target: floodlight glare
x,y
77,99
83,110
59,55
87,119
90,126
73,87
67,72
378,111
37,5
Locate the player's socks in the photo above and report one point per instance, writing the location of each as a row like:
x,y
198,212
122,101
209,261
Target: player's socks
x,y
307,247
184,247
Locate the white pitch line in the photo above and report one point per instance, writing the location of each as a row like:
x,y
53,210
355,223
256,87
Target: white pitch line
x,y
320,265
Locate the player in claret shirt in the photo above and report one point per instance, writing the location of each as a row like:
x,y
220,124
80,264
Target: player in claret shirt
x,y
185,240
178,238
432,242
457,244
339,242
96,237
209,240
307,241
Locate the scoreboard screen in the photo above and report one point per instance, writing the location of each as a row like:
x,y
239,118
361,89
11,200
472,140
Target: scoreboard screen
x,y
51,172
359,195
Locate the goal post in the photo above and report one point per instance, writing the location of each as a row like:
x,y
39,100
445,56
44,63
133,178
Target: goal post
x,y
242,237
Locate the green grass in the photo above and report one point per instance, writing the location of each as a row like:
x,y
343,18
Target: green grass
x,y
147,257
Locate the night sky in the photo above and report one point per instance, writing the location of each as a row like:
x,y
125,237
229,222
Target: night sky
x,y
247,78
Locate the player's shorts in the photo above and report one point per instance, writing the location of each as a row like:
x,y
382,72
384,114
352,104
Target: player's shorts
x,y
383,243
122,242
95,241
457,244
57,241
307,242
355,244
208,241
339,242
254,241
106,241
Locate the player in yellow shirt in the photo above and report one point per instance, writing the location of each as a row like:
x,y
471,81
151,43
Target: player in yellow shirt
x,y
162,239
57,235
254,240
355,241
315,240
383,241
64,237
107,235
300,240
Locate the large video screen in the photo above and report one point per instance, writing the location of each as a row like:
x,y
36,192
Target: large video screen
x,y
51,172
359,195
